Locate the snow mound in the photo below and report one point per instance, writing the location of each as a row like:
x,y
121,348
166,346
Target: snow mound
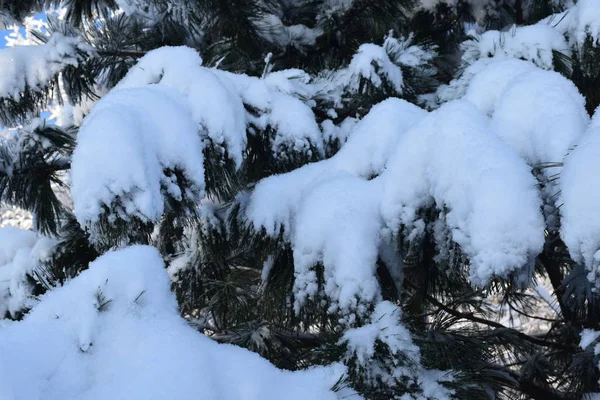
x,y
457,88
338,224
453,160
123,148
216,101
334,214
34,66
330,211
213,102
487,85
580,196
114,333
276,199
21,251
541,115
375,137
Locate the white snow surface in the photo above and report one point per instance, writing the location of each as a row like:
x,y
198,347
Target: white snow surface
x,y
370,56
377,65
333,213
534,43
21,251
294,124
325,206
385,327
365,153
585,19
34,66
588,336
160,115
580,196
487,85
124,145
212,101
453,159
338,224
457,88
541,115
114,333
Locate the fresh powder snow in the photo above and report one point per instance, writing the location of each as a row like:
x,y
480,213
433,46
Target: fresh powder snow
x,y
114,332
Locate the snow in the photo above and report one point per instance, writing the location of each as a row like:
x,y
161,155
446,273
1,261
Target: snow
x,y
541,115
212,101
588,336
330,211
115,332
585,19
340,132
21,251
453,160
384,328
487,85
271,28
374,139
34,67
534,43
334,214
580,196
123,147
370,63
216,101
457,88
338,224
294,125
276,199
367,58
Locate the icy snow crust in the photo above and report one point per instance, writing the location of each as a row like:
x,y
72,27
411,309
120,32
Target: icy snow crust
x,y
123,304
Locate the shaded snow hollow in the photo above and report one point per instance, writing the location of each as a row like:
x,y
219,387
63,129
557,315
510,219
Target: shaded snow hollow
x,y
114,332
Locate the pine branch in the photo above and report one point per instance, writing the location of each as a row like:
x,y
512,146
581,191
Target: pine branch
x,y
499,328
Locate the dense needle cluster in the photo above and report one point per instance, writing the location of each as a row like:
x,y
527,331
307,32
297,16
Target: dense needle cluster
x,y
380,198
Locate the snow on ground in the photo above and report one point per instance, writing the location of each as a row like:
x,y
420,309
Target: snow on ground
x,y
114,332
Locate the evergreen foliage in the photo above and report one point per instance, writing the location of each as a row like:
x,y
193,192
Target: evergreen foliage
x,y
236,280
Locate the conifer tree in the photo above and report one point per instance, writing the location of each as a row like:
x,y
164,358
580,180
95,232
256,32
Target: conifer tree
x,y
379,186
